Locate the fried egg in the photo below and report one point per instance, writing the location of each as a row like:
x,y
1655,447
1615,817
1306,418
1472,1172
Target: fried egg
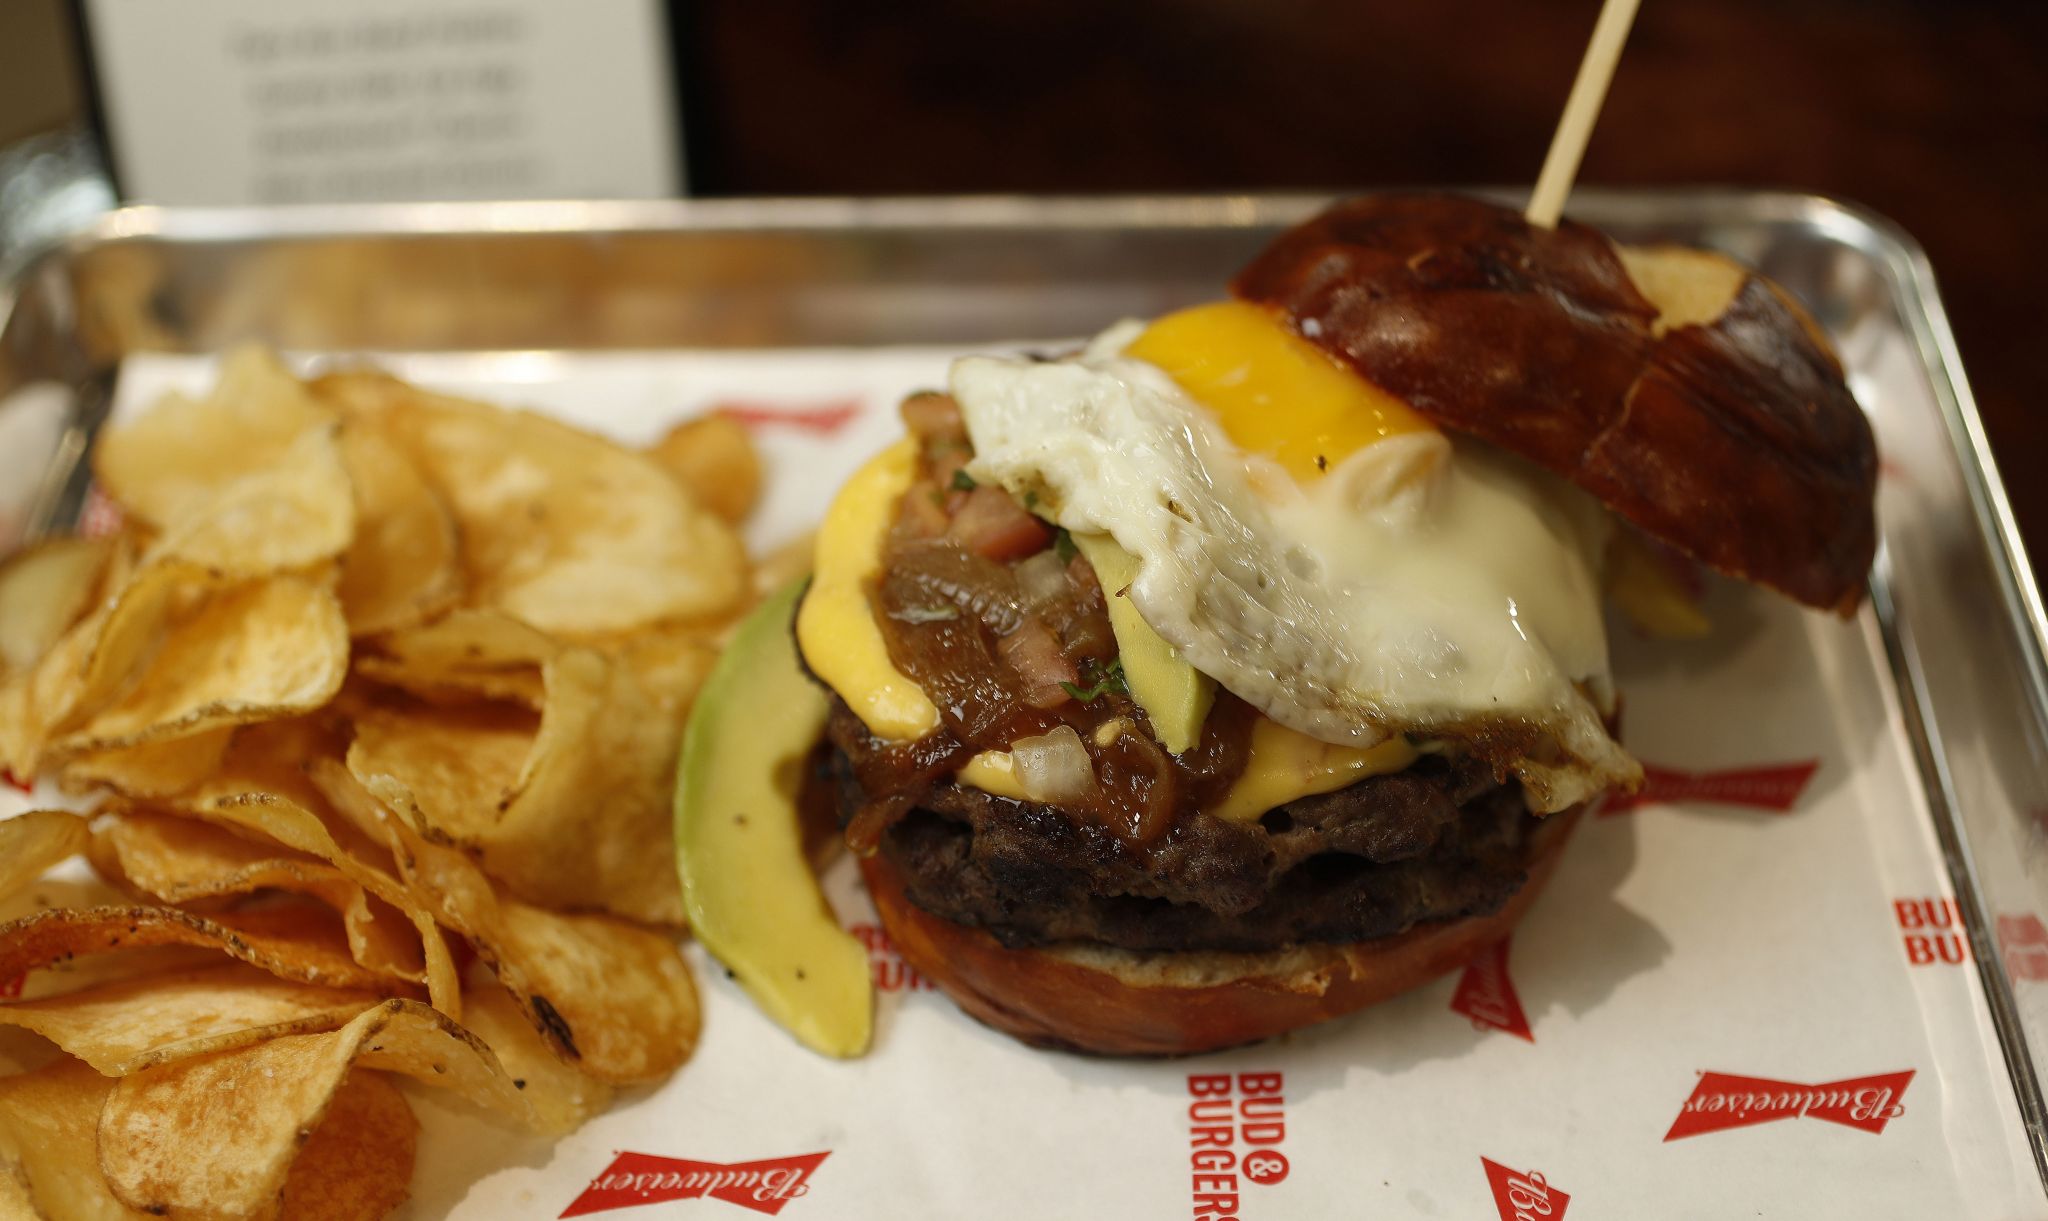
x,y
1340,565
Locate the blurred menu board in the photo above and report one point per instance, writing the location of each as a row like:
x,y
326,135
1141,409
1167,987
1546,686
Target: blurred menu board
x,y
222,102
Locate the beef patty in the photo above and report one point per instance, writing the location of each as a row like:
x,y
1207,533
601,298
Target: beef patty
x,y
1439,841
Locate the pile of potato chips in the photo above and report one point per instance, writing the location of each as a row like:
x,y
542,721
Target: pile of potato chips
x,y
375,696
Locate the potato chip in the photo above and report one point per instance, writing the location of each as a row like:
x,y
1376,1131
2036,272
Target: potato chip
x,y
465,655
275,757
559,527
714,458
290,942
20,731
595,797
30,843
495,621
521,686
214,1136
254,652
15,1200
404,565
173,460
98,657
469,639
612,998
129,1024
464,764
295,511
562,812
296,826
44,589
669,665
562,1096
357,1165
619,995
49,1136
181,860
163,768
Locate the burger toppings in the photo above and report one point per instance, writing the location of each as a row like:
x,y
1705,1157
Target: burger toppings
x,y
1006,632
1407,583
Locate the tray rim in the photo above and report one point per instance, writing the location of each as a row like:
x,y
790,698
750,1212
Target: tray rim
x,y
1911,281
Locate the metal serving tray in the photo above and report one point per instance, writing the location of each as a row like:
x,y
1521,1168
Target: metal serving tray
x,y
1954,614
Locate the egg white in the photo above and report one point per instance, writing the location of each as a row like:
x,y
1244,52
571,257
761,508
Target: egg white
x,y
1424,585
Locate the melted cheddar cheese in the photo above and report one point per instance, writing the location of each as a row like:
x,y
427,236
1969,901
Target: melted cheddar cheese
x,y
836,625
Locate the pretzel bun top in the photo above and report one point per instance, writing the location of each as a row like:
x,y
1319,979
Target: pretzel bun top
x,y
1692,395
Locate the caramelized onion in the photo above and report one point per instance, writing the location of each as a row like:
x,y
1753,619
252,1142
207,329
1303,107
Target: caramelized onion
x,y
938,573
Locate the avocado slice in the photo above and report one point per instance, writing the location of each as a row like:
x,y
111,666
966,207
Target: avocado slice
x,y
1174,694
750,894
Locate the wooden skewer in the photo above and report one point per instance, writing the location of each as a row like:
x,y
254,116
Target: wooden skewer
x,y
1581,111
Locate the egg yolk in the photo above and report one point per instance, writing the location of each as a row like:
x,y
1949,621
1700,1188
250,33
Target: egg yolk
x,y
1275,393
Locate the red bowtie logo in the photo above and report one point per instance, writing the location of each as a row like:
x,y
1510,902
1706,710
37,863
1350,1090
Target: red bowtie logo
x,y
634,1179
1775,788
821,418
1722,1100
1524,1195
1487,996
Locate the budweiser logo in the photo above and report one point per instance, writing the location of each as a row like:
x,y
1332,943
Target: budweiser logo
x,y
2023,942
1722,1100
634,1179
822,418
1776,787
1486,994
885,965
1523,1195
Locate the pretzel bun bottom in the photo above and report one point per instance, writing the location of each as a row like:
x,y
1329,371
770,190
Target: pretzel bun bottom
x,y
1107,1001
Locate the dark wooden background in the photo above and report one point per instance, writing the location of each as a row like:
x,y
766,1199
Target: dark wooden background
x,y
1934,113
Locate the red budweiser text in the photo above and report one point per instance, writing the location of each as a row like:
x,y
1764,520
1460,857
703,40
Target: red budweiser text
x,y
822,418
2023,942
1932,929
1486,994
1523,1195
1775,787
1224,1112
891,973
1722,1100
634,1179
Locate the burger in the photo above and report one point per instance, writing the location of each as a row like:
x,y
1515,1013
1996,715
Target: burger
x,y
1249,665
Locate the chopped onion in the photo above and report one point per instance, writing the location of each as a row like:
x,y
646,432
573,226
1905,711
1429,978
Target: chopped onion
x,y
1043,578
1053,766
